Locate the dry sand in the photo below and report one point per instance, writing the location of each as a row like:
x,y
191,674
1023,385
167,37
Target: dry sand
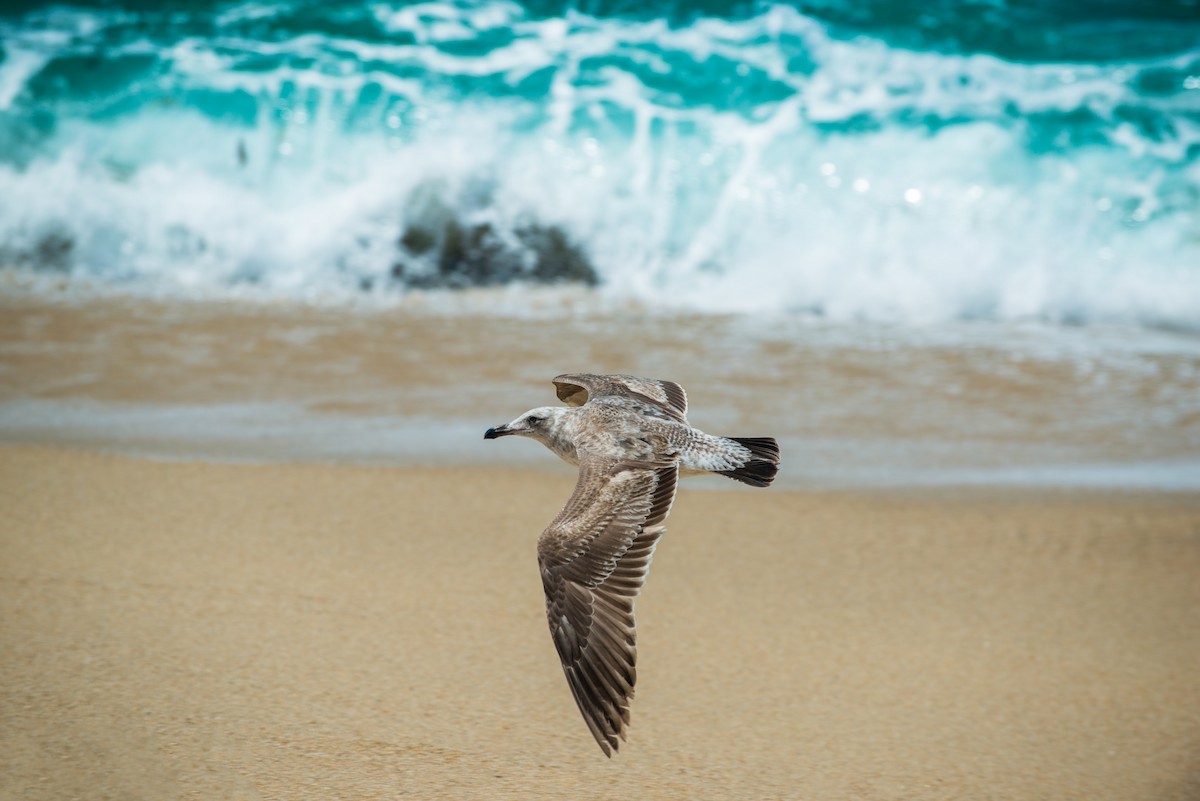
x,y
190,630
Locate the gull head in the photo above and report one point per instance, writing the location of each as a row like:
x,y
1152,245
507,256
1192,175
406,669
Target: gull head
x,y
543,424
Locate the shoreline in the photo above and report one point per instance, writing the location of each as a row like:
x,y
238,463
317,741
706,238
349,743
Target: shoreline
x,y
1133,479
851,407
199,630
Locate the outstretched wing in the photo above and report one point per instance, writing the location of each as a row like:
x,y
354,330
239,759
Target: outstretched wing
x,y
594,558
574,389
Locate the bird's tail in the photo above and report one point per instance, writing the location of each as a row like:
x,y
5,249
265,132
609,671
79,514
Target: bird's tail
x,y
760,469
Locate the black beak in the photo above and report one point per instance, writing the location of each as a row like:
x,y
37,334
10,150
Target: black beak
x,y
498,431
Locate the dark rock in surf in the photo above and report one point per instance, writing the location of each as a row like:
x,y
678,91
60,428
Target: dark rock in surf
x,y
442,248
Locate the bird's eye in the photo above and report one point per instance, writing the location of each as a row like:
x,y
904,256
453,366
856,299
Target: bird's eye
x,y
533,420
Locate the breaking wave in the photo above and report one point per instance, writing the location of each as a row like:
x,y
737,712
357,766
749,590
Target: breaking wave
x,y
829,159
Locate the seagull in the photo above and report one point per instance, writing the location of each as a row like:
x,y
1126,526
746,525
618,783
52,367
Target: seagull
x,y
630,439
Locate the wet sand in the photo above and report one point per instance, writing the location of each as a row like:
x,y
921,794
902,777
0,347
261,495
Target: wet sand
x,y
204,631
852,405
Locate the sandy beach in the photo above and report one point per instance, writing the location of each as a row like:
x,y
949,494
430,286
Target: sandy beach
x,y
269,271
191,630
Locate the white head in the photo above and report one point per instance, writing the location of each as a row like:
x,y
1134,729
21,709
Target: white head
x,y
545,424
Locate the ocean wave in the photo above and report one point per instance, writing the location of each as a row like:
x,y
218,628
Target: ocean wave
x,y
768,160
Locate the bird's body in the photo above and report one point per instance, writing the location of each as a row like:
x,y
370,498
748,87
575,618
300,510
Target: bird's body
x,y
631,440
608,418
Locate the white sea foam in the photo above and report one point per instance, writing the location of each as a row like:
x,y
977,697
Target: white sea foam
x,y
860,181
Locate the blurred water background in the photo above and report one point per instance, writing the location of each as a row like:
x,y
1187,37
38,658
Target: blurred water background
x,y
883,160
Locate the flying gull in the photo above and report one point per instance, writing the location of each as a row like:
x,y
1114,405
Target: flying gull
x,y
630,439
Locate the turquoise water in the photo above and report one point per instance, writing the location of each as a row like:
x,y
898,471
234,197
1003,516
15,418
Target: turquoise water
x,y
893,161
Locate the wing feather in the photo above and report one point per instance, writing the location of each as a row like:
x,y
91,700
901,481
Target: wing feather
x,y
594,558
575,389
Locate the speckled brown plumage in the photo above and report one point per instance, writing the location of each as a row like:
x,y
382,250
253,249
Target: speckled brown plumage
x,y
631,440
